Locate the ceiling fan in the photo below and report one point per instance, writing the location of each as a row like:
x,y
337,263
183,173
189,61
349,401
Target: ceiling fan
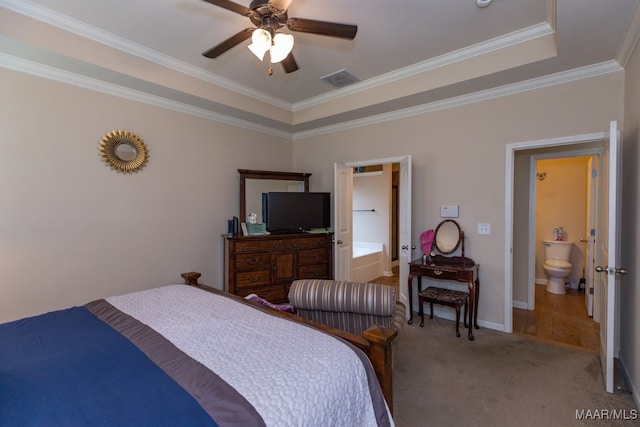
x,y
269,16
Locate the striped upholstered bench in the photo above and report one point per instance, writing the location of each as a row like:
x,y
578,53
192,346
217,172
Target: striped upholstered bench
x,y
349,306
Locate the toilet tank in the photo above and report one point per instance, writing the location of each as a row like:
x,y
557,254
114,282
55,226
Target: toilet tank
x,y
558,250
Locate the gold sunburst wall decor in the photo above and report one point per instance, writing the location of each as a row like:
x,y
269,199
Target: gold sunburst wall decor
x,y
124,151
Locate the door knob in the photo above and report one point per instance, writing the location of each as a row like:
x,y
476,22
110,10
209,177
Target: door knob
x,y
404,247
607,270
339,242
584,240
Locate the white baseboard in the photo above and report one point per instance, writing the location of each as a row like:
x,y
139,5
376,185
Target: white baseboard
x,y
520,304
450,314
629,379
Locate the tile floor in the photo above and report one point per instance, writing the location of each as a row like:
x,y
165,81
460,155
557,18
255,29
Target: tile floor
x,y
558,318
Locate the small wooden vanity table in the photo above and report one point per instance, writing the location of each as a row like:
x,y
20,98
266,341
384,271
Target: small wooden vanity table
x,y
448,269
448,237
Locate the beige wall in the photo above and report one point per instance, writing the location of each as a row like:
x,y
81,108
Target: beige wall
x,y
73,230
459,158
630,255
561,201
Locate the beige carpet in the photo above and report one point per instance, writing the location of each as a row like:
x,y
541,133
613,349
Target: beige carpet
x,y
498,380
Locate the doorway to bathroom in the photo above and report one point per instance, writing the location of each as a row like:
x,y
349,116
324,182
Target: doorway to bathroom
x,y
520,232
562,201
379,212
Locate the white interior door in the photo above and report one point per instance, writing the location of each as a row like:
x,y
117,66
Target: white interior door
x,y
592,166
609,250
343,220
406,246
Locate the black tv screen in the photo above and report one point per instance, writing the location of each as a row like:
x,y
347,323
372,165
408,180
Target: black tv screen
x,y
291,212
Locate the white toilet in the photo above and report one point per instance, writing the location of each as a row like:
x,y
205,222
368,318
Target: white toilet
x,y
556,265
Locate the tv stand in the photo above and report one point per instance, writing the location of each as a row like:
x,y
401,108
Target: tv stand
x,y
266,265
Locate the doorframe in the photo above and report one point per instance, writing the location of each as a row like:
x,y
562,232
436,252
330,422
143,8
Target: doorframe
x,y
510,151
405,168
531,287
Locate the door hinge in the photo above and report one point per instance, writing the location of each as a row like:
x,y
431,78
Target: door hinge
x,y
594,173
593,232
590,291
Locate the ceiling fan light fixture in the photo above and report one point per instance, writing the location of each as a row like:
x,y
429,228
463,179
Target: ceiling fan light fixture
x,y
261,43
281,48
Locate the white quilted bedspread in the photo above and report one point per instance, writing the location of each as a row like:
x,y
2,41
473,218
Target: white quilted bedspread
x,y
292,374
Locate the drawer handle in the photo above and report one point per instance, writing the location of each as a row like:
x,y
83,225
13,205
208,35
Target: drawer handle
x,y
244,246
254,279
438,272
253,261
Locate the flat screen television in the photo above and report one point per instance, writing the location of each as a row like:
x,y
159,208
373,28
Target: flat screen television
x,y
290,212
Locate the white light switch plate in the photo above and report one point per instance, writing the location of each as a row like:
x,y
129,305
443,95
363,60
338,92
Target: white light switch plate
x,y
449,211
484,228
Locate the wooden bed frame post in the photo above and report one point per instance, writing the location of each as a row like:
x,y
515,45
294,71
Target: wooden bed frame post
x,y
381,357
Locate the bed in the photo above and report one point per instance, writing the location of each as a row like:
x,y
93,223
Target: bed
x,y
188,355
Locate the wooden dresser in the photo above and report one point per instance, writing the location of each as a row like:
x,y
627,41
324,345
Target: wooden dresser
x,y
266,265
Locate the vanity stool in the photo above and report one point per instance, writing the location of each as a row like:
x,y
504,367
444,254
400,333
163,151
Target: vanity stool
x,y
448,297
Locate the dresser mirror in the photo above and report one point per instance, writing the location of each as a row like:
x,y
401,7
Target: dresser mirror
x,y
448,238
255,182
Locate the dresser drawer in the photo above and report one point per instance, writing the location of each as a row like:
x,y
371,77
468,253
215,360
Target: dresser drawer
x,y
252,278
306,242
312,256
316,271
257,245
253,260
439,273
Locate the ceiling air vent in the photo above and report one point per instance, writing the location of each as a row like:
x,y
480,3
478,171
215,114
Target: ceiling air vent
x,y
340,78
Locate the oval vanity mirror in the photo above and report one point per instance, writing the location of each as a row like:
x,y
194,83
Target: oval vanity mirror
x,y
447,237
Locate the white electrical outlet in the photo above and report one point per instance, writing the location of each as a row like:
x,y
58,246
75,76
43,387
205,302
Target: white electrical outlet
x,y
484,228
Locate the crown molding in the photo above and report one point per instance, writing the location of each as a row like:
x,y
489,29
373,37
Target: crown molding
x,y
56,74
632,35
498,92
40,13
530,33
64,76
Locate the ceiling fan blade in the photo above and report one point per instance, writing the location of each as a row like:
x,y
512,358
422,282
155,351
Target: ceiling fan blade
x,y
232,41
289,64
233,7
323,28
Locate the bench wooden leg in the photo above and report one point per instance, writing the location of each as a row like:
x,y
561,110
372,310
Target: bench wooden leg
x,y
466,310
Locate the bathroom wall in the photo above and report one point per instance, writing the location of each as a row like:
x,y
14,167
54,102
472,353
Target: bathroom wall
x,y
372,190
561,201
